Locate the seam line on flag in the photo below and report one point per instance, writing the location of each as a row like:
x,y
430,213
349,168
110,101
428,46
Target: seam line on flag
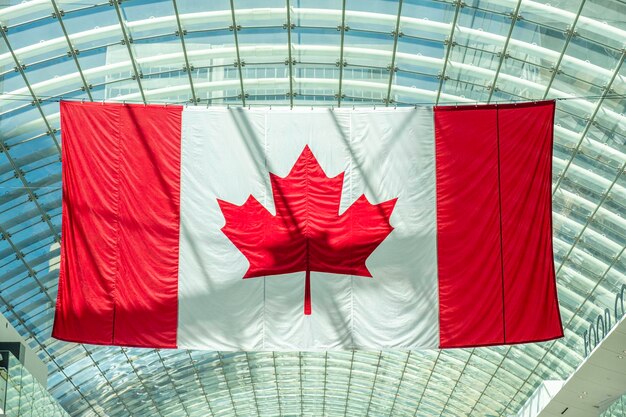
x,y
500,219
267,183
117,222
350,176
308,307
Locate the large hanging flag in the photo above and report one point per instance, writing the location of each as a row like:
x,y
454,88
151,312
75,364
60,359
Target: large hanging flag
x,y
278,229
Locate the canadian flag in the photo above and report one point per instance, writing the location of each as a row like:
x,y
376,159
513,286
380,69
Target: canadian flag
x,y
306,229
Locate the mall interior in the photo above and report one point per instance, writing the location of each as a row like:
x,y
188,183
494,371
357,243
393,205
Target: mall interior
x,y
332,54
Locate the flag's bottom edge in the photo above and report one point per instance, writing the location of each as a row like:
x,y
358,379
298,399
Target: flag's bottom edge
x,y
304,349
516,342
240,349
99,343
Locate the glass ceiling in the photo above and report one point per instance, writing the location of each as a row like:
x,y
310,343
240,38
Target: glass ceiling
x,y
312,53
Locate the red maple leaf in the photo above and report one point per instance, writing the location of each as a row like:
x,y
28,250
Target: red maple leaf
x,y
307,233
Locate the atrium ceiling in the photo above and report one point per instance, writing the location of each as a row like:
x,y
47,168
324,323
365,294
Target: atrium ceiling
x,y
331,53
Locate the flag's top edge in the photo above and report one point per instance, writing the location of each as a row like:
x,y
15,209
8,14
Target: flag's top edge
x,y
307,109
521,104
260,109
303,110
116,104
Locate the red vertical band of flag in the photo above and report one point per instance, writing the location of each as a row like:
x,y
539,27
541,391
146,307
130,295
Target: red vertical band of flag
x,y
468,227
526,136
118,282
494,229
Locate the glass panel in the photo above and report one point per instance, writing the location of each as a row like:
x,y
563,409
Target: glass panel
x,y
21,394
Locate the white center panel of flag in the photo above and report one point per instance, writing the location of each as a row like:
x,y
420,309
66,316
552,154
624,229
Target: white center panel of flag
x,y
383,155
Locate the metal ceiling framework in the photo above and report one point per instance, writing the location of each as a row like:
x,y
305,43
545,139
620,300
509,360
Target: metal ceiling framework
x,y
338,52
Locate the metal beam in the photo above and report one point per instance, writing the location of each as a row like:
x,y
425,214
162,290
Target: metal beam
x,y
343,28
256,403
58,14
607,89
31,194
188,68
169,376
392,66
36,101
239,63
456,384
192,361
482,392
591,217
290,60
430,375
369,403
278,397
449,42
395,397
571,32
345,409
230,393
300,373
141,382
127,41
325,382
515,15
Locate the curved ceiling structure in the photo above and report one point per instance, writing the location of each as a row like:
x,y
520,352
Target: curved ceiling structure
x,y
312,53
